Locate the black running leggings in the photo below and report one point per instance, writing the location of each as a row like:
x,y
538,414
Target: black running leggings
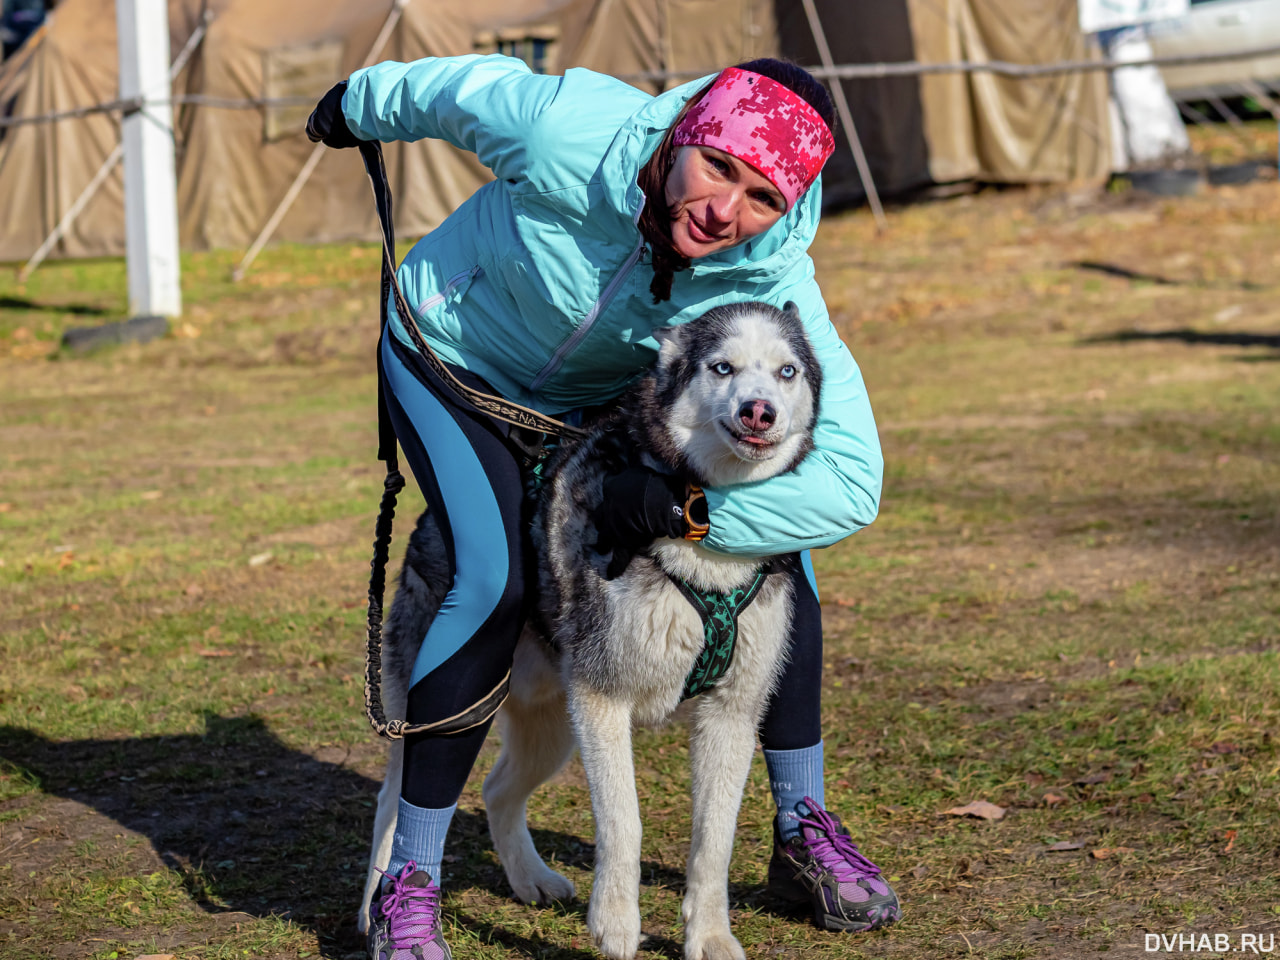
x,y
472,482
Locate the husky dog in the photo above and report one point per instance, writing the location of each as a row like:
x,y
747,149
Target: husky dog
x,y
732,399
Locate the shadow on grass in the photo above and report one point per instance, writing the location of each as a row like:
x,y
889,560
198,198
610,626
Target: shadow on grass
x,y
22,303
1193,338
256,828
1141,276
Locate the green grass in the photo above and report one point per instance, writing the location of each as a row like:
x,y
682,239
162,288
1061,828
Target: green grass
x,y
1069,606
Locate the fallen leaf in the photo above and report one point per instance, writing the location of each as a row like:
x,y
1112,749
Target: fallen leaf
x,y
890,810
1051,798
979,808
920,871
258,559
1104,853
1224,746
66,560
193,590
1064,845
151,494
156,956
1231,840
1093,778
216,653
5,507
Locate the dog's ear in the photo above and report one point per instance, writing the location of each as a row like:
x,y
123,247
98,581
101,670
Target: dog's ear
x,y
791,308
670,343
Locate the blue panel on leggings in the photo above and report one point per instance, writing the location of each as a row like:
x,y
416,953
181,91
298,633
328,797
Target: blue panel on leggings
x,y
806,562
467,494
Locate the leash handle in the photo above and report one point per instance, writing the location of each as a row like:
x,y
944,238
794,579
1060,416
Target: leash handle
x,y
473,716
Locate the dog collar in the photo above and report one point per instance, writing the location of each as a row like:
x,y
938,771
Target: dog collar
x,y
697,522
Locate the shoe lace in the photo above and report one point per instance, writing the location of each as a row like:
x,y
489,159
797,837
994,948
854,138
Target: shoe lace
x,y
410,910
832,847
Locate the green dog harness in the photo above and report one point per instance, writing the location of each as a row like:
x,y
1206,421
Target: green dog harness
x,y
719,613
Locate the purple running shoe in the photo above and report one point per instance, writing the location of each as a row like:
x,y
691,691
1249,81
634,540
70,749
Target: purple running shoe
x,y
822,865
404,919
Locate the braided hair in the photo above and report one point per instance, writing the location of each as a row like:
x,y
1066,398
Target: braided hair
x,y
655,218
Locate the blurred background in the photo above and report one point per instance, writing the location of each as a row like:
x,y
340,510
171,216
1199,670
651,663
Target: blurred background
x,y
956,113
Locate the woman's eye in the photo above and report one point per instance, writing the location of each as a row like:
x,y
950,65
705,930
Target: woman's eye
x,y
723,368
719,165
767,199
787,372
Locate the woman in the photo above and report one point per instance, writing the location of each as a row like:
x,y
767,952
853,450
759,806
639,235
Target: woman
x,y
612,213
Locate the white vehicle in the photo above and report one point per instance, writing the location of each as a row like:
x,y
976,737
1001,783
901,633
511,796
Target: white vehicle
x,y
1221,26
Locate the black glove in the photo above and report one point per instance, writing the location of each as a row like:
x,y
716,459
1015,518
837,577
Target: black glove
x,y
328,124
638,507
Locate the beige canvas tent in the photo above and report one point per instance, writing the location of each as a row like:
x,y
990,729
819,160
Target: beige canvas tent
x,y
236,164
952,127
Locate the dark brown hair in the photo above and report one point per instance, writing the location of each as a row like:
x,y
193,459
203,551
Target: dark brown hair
x,y
655,218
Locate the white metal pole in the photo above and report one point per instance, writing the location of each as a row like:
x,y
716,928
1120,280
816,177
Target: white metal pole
x,y
150,181
109,164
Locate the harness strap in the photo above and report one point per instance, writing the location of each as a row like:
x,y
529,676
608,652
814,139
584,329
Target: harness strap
x,y
719,613
531,420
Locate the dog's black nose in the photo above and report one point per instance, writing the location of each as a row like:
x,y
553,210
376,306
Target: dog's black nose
x,y
757,414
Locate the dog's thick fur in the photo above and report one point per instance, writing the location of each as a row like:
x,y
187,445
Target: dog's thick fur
x,y
732,399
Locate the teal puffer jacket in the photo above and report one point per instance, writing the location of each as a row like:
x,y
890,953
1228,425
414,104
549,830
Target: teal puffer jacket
x,y
539,283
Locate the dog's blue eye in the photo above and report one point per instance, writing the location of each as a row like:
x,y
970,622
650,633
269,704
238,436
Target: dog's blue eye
x,y
787,371
723,368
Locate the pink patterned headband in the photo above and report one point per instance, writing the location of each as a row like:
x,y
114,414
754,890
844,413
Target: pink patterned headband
x,y
763,123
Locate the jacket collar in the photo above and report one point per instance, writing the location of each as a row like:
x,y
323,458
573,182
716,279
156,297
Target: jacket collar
x,y
765,257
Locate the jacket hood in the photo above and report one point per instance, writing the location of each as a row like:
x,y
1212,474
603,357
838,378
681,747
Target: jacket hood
x,y
765,257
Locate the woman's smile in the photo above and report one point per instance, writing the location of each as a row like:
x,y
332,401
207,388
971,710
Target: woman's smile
x,y
717,201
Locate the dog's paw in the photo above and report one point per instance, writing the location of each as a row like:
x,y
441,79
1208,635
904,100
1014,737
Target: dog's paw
x,y
615,927
712,946
539,885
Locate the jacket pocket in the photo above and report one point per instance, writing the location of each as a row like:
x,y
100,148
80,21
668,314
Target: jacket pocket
x,y
455,289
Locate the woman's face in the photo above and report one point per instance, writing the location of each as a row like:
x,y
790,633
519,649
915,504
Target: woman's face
x,y
717,201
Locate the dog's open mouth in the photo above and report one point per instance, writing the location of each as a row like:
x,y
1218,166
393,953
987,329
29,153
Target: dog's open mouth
x,y
750,446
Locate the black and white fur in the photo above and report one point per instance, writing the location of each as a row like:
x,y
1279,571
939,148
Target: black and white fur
x,y
732,399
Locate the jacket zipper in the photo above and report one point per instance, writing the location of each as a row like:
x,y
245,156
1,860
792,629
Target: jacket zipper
x,y
450,285
571,342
